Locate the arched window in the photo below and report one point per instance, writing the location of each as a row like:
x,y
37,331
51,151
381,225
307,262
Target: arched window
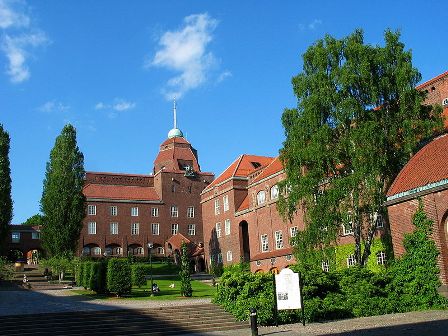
x,y
86,250
96,251
138,250
261,197
274,192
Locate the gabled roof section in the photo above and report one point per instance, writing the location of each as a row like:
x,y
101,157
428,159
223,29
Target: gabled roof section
x,y
426,168
120,192
432,80
274,167
241,167
171,151
244,204
175,140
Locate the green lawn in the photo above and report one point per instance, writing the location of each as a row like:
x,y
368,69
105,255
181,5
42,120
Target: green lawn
x,y
200,290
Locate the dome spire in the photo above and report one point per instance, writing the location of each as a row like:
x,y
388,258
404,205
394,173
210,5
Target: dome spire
x,y
175,132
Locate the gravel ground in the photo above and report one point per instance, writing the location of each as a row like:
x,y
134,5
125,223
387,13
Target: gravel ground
x,y
425,323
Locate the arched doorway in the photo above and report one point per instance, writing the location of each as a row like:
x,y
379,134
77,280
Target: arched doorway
x,y
244,241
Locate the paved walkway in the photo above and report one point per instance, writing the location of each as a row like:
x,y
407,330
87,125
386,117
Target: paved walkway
x,y
426,323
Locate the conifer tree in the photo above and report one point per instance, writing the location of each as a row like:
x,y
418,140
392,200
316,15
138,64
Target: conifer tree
x,y
358,120
63,203
184,273
5,186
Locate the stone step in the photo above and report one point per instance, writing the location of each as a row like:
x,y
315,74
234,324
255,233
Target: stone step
x,y
160,321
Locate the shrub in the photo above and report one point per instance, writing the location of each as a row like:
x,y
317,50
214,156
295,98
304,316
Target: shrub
x,y
5,269
98,276
139,272
119,276
80,274
87,274
184,274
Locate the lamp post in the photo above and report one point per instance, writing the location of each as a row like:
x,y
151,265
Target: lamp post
x,y
150,245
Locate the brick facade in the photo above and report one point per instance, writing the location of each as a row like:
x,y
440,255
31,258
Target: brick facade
x,y
21,241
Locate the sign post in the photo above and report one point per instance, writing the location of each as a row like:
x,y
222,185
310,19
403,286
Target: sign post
x,y
288,292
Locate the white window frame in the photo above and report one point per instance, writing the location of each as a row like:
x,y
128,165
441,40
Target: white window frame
x,y
217,207
15,237
218,230
225,203
261,197
135,229
91,228
139,251
174,211
325,266
229,256
379,220
278,240
95,251
154,212
155,229
35,235
113,210
160,250
174,229
134,211
91,210
113,228
227,227
190,212
381,258
293,231
192,229
351,261
274,192
264,243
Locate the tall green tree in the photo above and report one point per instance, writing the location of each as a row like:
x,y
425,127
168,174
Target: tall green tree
x,y
34,220
358,120
5,186
184,273
63,203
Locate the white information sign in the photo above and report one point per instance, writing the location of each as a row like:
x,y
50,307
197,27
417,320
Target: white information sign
x,y
287,290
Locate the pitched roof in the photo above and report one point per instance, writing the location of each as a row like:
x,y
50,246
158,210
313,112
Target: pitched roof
x,y
120,192
177,239
432,80
241,167
176,140
244,204
274,167
428,165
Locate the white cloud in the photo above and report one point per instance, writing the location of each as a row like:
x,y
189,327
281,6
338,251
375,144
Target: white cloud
x,y
223,76
184,51
118,105
310,26
53,106
10,17
18,38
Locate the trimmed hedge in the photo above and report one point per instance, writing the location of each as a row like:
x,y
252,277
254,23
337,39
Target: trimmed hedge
x,y
119,276
139,272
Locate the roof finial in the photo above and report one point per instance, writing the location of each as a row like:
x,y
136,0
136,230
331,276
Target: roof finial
x,y
174,111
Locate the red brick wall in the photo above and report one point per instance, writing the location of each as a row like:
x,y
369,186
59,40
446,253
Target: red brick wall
x,y
437,91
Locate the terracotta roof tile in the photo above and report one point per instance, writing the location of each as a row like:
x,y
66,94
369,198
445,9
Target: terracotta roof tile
x,y
244,205
176,140
120,192
420,86
176,240
274,167
428,165
241,167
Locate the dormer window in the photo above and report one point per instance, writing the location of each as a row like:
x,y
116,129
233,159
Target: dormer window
x,y
256,164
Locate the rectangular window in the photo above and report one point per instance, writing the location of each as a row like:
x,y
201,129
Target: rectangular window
x,y
379,220
351,261
135,229
113,210
114,228
227,226
174,211
293,231
155,212
218,230
225,203
15,237
91,228
190,212
192,229
219,258
347,229
278,240
381,258
264,243
91,210
229,255
217,207
155,229
134,211
160,250
325,266
174,229
35,235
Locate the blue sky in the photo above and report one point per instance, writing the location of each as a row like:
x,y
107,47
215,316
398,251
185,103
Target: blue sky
x,y
111,67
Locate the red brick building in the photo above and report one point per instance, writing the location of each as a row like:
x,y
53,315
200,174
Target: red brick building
x,y
125,212
23,243
425,176
240,218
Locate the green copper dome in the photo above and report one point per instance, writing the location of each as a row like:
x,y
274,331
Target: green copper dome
x,y
175,133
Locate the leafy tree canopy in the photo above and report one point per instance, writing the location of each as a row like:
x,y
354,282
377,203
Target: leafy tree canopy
x,y
34,220
5,185
358,120
63,203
